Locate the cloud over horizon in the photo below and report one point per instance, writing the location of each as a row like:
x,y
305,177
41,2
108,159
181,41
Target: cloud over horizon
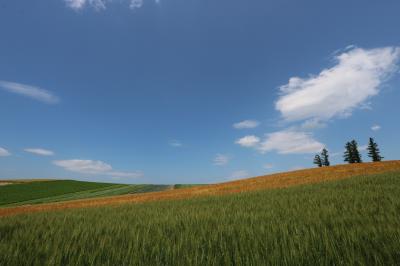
x,y
283,142
92,167
4,152
337,91
33,92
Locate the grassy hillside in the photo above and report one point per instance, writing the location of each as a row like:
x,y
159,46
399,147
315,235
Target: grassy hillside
x,y
65,190
348,222
279,180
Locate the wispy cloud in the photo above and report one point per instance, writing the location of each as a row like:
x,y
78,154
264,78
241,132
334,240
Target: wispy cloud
x,y
175,143
39,151
221,159
248,141
311,124
284,142
80,4
4,152
246,124
94,168
376,127
136,4
102,4
29,91
337,91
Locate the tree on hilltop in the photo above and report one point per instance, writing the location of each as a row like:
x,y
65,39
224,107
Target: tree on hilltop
x,y
355,153
373,151
317,160
325,157
348,154
351,154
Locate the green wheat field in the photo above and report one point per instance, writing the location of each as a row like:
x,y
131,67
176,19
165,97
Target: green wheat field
x,y
349,222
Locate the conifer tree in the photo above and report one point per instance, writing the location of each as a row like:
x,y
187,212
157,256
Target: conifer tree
x,y
356,156
325,157
348,154
317,160
373,151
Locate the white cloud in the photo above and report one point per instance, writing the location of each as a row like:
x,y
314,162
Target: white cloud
x,y
75,4
4,152
286,142
175,143
80,4
290,142
221,159
337,91
238,175
248,141
29,91
94,168
39,151
376,127
136,4
246,124
102,4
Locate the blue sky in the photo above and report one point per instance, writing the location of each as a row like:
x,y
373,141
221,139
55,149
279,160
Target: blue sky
x,y
193,91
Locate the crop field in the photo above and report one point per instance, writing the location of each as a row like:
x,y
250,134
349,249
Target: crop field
x,y
15,194
353,221
280,180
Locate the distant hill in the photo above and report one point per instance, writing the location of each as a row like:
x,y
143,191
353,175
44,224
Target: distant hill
x,y
24,192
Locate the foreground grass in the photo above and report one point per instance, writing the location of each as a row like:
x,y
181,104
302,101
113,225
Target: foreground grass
x,y
354,221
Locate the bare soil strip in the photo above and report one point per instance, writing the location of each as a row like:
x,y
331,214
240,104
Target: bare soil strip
x,y
280,180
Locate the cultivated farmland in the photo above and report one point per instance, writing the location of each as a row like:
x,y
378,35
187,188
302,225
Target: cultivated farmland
x,y
23,193
280,180
353,221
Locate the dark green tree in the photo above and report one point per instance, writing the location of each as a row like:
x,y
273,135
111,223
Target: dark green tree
x,y
373,151
356,156
348,154
317,160
325,157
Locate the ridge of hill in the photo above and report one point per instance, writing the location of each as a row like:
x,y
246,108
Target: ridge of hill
x,y
273,181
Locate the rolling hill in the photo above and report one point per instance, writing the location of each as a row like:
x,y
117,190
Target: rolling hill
x,y
342,215
280,180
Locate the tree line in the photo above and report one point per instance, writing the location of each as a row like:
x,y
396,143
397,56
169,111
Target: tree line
x,y
351,154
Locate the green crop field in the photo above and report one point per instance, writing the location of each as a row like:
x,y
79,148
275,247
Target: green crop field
x,y
349,222
63,190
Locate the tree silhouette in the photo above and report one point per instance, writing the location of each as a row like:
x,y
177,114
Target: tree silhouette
x,y
356,156
317,160
352,155
348,154
325,157
373,151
